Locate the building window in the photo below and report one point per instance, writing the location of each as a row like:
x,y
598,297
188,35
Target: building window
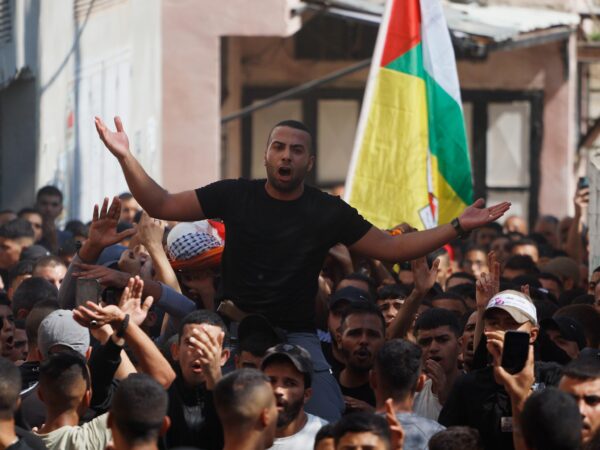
x,y
504,131
332,115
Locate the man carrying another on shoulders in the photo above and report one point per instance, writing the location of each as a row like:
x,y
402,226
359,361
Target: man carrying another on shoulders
x,y
278,233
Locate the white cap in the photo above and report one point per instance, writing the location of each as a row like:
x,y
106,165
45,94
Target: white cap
x,y
517,304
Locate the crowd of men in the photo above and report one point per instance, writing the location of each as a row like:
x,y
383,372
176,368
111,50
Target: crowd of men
x,y
255,314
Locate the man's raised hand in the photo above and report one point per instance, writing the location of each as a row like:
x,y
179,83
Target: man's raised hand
x,y
116,141
103,229
476,215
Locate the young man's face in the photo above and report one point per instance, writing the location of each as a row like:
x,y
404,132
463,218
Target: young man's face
x,y
587,396
466,340
362,337
288,386
187,355
36,221
19,350
440,345
497,319
7,333
50,206
246,360
390,307
361,441
528,250
475,262
129,209
53,274
10,252
569,347
288,158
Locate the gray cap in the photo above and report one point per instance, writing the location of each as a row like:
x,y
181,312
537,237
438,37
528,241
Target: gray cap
x,y
59,328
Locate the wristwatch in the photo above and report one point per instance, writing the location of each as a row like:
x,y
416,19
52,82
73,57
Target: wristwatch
x,y
460,231
120,333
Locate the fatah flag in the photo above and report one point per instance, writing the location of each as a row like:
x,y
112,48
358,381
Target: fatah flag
x,y
410,161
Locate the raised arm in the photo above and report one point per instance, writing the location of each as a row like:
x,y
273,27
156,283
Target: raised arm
x,y
159,203
381,245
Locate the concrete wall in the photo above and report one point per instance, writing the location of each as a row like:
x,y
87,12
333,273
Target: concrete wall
x,y
107,63
191,78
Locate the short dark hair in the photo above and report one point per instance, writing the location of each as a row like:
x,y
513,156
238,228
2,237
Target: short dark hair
x,y
451,295
465,290
16,229
363,422
32,291
522,262
550,276
201,316
139,407
358,276
437,317
49,261
475,248
363,308
258,343
59,373
297,125
464,275
456,438
35,317
24,211
10,386
236,391
398,366
49,190
24,267
125,196
388,291
77,228
325,432
583,368
551,421
588,317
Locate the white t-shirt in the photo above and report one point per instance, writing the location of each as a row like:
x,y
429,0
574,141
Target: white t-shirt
x,y
426,403
89,436
303,439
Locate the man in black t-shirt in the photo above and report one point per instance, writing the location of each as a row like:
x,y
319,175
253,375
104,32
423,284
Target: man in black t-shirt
x,y
279,229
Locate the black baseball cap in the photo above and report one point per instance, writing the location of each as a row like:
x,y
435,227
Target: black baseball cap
x,y
350,294
569,329
297,355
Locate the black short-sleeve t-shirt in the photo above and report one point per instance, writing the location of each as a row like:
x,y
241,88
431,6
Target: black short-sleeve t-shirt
x,y
274,249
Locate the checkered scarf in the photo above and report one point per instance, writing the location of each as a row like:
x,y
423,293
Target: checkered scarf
x,y
190,245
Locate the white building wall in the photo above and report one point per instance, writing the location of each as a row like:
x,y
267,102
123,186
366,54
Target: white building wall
x,y
106,64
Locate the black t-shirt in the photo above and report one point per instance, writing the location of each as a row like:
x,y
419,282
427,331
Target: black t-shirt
x,y
364,393
274,249
477,401
194,419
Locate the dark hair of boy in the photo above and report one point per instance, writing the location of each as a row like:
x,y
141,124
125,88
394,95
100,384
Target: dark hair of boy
x,y
363,308
398,366
15,229
390,291
551,421
435,318
456,438
30,292
363,422
139,409
201,316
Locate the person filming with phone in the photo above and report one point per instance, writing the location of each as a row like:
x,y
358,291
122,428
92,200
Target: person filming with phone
x,y
480,399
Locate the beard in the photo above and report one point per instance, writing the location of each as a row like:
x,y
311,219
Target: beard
x,y
289,412
296,180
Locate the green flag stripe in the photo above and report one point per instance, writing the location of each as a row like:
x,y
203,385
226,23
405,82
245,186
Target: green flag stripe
x,y
447,139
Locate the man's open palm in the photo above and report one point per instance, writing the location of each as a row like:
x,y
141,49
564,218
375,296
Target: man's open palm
x,y
116,141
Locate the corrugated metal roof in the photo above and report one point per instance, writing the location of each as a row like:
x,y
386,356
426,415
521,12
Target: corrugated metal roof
x,y
496,23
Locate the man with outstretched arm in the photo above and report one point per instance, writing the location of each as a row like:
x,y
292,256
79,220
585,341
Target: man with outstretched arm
x,y
279,231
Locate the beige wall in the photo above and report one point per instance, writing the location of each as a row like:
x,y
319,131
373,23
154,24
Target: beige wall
x,y
191,78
